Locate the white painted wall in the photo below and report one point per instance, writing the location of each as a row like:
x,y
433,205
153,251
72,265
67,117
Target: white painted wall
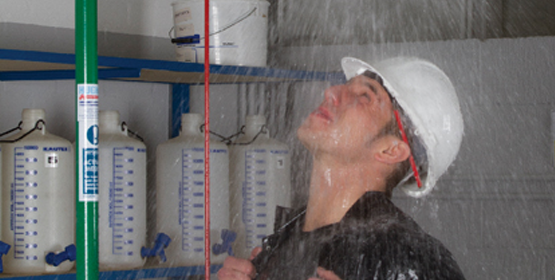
x,y
145,107
136,17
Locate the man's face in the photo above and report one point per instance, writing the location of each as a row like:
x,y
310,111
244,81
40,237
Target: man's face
x,y
348,120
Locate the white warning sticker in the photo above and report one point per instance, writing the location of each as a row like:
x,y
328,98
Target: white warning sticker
x,y
87,122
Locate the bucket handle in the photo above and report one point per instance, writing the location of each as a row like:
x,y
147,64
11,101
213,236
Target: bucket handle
x,y
226,27
40,125
238,20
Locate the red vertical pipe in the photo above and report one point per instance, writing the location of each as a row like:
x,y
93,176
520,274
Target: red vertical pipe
x,y
207,139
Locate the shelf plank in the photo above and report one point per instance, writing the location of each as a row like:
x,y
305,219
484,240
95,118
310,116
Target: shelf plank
x,y
31,64
110,73
145,273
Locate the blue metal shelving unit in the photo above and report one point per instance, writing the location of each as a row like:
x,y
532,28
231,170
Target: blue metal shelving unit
x,y
19,65
35,65
144,273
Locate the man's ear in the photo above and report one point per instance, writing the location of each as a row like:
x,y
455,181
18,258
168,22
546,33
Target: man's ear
x,y
392,150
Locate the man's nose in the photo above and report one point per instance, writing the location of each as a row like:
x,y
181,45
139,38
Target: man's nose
x,y
335,94
339,94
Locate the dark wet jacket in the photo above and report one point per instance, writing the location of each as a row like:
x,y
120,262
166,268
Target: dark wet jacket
x,y
374,240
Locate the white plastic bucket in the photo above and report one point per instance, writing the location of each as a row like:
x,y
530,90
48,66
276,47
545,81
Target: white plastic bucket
x,y
238,31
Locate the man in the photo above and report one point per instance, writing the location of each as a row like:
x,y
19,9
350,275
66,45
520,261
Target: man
x,y
398,123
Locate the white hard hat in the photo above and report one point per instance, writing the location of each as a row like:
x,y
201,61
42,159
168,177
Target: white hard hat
x,y
428,99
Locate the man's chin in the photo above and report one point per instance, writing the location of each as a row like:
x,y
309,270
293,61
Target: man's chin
x,y
309,138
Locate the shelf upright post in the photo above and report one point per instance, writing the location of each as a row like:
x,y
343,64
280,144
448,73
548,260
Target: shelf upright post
x,y
86,80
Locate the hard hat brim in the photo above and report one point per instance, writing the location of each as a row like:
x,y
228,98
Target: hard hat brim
x,y
353,67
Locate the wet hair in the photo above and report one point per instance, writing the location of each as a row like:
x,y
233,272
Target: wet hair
x,y
402,172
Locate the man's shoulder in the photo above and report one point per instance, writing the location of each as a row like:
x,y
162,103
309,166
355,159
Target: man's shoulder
x,y
383,239
375,212
388,232
390,250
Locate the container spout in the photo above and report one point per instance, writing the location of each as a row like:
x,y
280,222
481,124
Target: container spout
x,y
162,241
4,248
228,236
69,253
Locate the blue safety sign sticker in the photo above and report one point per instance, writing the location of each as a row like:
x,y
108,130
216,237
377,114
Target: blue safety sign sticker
x,y
87,122
89,183
92,134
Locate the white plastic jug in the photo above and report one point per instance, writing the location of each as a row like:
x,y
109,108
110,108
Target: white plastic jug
x,y
259,181
180,195
38,197
122,195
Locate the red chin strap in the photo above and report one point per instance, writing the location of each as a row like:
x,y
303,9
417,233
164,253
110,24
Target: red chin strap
x,y
412,164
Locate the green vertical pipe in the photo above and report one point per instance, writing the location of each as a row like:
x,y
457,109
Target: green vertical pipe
x,y
86,79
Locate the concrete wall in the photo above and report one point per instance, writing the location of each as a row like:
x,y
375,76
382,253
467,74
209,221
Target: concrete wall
x,y
493,208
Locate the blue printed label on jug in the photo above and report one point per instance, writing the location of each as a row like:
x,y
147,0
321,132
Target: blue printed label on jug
x,y
55,149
